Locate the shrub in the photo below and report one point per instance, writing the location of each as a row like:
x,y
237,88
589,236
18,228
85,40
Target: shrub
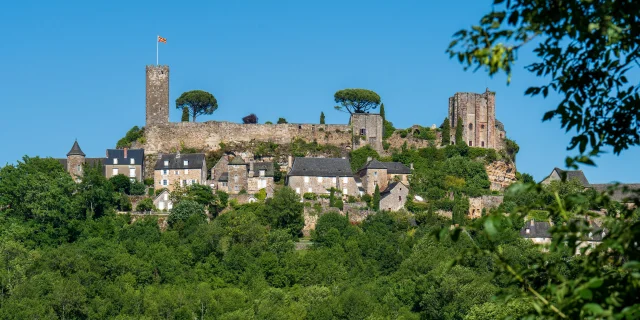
x,y
121,183
366,198
351,199
250,119
261,195
184,210
268,122
282,121
149,182
145,205
386,145
159,191
310,196
150,192
134,134
403,133
137,188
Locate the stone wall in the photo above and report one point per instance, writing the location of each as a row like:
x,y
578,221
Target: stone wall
x,y
485,202
206,136
501,174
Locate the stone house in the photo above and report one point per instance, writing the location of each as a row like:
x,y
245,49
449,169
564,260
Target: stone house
x,y
539,232
76,160
382,174
129,162
557,174
319,175
173,170
163,201
237,175
394,196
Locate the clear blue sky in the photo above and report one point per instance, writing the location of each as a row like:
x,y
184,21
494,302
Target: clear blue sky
x,y
75,69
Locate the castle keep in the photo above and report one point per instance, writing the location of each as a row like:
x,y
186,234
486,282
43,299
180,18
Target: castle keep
x,y
164,136
477,111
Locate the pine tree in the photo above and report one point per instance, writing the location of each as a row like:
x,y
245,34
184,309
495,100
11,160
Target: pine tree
x,y
446,132
321,117
185,114
384,118
376,198
459,131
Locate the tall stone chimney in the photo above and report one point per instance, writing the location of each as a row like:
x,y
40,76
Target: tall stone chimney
x,y
157,95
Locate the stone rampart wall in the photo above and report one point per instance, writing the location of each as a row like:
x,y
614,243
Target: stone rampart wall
x,y
208,135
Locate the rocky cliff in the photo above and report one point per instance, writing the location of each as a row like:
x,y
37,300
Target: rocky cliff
x,y
501,174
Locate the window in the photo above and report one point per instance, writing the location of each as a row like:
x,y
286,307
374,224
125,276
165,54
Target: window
x,y
161,205
166,163
470,126
115,160
184,182
114,172
363,132
527,230
186,171
132,161
177,172
165,182
375,173
166,196
309,190
470,143
236,188
482,126
132,172
235,178
345,179
185,163
298,190
224,184
194,181
306,179
482,143
344,191
262,184
335,180
262,173
319,179
399,198
165,172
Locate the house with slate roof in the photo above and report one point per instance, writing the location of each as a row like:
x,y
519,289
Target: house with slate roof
x,y
76,160
394,196
319,175
382,174
539,232
179,170
236,175
129,162
557,174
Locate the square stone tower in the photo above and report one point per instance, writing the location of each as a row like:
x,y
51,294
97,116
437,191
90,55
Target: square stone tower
x,y
367,130
157,95
477,111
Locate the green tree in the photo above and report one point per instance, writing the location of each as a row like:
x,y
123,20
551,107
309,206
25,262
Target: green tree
x,y
134,134
95,192
121,183
184,210
145,205
197,102
376,198
250,119
356,100
446,132
282,120
285,211
185,114
137,188
459,132
358,158
321,117
460,210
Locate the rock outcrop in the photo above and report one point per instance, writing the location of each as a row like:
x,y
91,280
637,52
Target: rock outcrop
x,y
501,174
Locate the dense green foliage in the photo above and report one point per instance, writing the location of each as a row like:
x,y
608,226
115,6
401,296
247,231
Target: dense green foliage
x,y
134,134
356,100
250,119
459,129
376,198
358,158
446,132
282,120
198,102
321,117
185,114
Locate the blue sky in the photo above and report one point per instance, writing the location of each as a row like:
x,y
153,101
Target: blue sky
x,y
75,69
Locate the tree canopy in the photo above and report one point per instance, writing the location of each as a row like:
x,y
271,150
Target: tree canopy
x,y
198,102
356,100
250,119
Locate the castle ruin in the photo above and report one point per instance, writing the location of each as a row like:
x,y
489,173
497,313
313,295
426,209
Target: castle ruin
x,y
477,112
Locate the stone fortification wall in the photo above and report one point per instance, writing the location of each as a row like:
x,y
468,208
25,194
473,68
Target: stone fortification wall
x,y
170,137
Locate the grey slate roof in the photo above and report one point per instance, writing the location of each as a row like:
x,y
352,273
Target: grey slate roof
x,y
392,167
75,150
266,166
136,154
321,167
196,161
540,229
618,194
391,186
237,161
499,125
573,174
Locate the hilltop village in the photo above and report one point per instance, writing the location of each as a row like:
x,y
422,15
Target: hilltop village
x,y
355,168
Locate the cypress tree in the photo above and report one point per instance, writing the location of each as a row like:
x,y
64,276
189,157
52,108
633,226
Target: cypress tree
x,y
446,132
185,114
384,118
459,131
321,117
376,199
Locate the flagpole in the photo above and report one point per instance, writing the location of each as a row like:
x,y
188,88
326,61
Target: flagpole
x,y
157,37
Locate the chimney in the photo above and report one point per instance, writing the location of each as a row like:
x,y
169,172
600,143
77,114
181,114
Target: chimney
x,y
532,223
369,159
178,155
411,165
250,168
290,162
125,152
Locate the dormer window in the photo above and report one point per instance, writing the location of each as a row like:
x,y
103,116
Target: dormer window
x,y
166,163
132,161
185,163
262,173
527,230
115,160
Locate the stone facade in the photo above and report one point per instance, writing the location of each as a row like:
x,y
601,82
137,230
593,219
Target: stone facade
x,y
131,171
501,174
163,201
237,178
367,130
74,166
157,95
237,175
395,197
485,202
321,185
174,170
382,174
478,114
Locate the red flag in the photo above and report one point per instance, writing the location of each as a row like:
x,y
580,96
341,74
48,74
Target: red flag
x,y
161,39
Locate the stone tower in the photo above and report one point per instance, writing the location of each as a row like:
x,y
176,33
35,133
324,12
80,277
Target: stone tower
x,y
157,95
478,114
367,130
75,161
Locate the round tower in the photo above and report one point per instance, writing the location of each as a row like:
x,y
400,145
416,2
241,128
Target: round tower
x,y
75,161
